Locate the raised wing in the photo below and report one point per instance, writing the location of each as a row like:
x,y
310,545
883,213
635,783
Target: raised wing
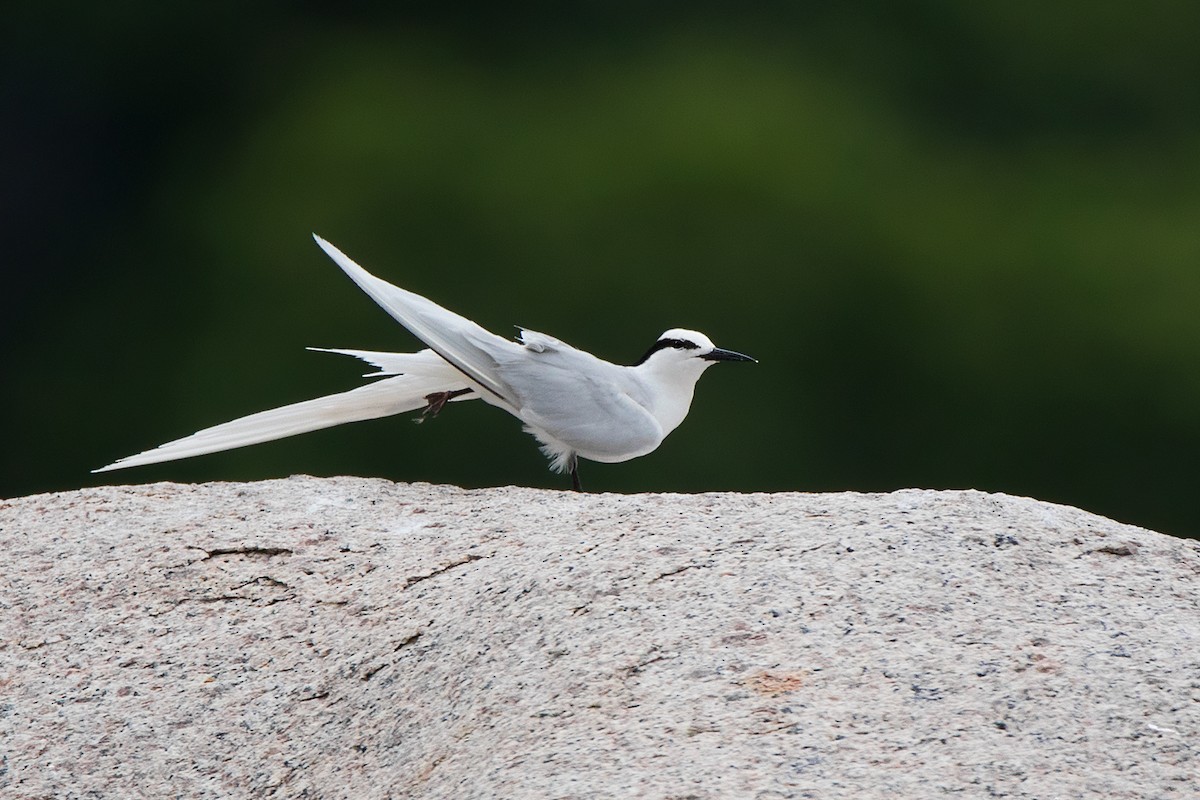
x,y
464,344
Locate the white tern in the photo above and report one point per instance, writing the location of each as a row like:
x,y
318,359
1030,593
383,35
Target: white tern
x,y
575,404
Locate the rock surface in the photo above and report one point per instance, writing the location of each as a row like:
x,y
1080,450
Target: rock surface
x,y
363,639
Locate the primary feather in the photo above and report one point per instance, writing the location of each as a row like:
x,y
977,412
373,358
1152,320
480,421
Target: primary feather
x,y
464,344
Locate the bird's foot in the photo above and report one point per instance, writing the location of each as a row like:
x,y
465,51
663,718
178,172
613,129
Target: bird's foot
x,y
437,401
575,484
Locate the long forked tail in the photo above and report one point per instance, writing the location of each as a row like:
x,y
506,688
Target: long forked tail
x,y
381,399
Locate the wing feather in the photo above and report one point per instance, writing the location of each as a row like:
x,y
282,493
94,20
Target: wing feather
x,y
467,346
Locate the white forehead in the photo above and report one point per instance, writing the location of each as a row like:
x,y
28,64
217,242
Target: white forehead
x,y
701,341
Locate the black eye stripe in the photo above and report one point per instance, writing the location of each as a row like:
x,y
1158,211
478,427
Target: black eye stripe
x,y
662,344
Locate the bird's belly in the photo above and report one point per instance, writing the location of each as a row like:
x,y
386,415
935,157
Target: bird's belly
x,y
597,437
613,458
607,450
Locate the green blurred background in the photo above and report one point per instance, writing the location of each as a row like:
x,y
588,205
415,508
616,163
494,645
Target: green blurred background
x,y
962,238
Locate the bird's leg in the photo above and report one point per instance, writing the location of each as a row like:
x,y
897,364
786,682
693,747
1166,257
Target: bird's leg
x,y
575,484
437,401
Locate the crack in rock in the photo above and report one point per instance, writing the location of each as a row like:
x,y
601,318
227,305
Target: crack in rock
x,y
250,550
403,644
678,570
467,559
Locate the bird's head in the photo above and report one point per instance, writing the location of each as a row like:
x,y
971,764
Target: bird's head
x,y
689,351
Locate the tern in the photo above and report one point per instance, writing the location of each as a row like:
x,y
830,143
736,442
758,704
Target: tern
x,y
575,404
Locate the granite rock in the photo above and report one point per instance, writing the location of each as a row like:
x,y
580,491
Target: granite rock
x,y
363,639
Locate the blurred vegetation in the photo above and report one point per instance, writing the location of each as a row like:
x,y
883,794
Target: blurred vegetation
x,y
962,239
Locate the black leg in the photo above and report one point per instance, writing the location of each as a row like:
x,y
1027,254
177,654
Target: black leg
x,y
575,484
437,401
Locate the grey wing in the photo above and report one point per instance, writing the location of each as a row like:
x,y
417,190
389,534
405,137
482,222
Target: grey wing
x,y
583,402
467,346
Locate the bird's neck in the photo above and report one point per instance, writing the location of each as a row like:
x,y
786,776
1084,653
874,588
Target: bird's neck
x,y
671,395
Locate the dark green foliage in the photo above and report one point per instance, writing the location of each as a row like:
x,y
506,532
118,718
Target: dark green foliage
x,y
961,239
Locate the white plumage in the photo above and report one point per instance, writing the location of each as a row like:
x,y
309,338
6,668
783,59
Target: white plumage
x,y
576,405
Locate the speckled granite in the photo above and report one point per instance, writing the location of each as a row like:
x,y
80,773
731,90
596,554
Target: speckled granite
x,y
362,639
